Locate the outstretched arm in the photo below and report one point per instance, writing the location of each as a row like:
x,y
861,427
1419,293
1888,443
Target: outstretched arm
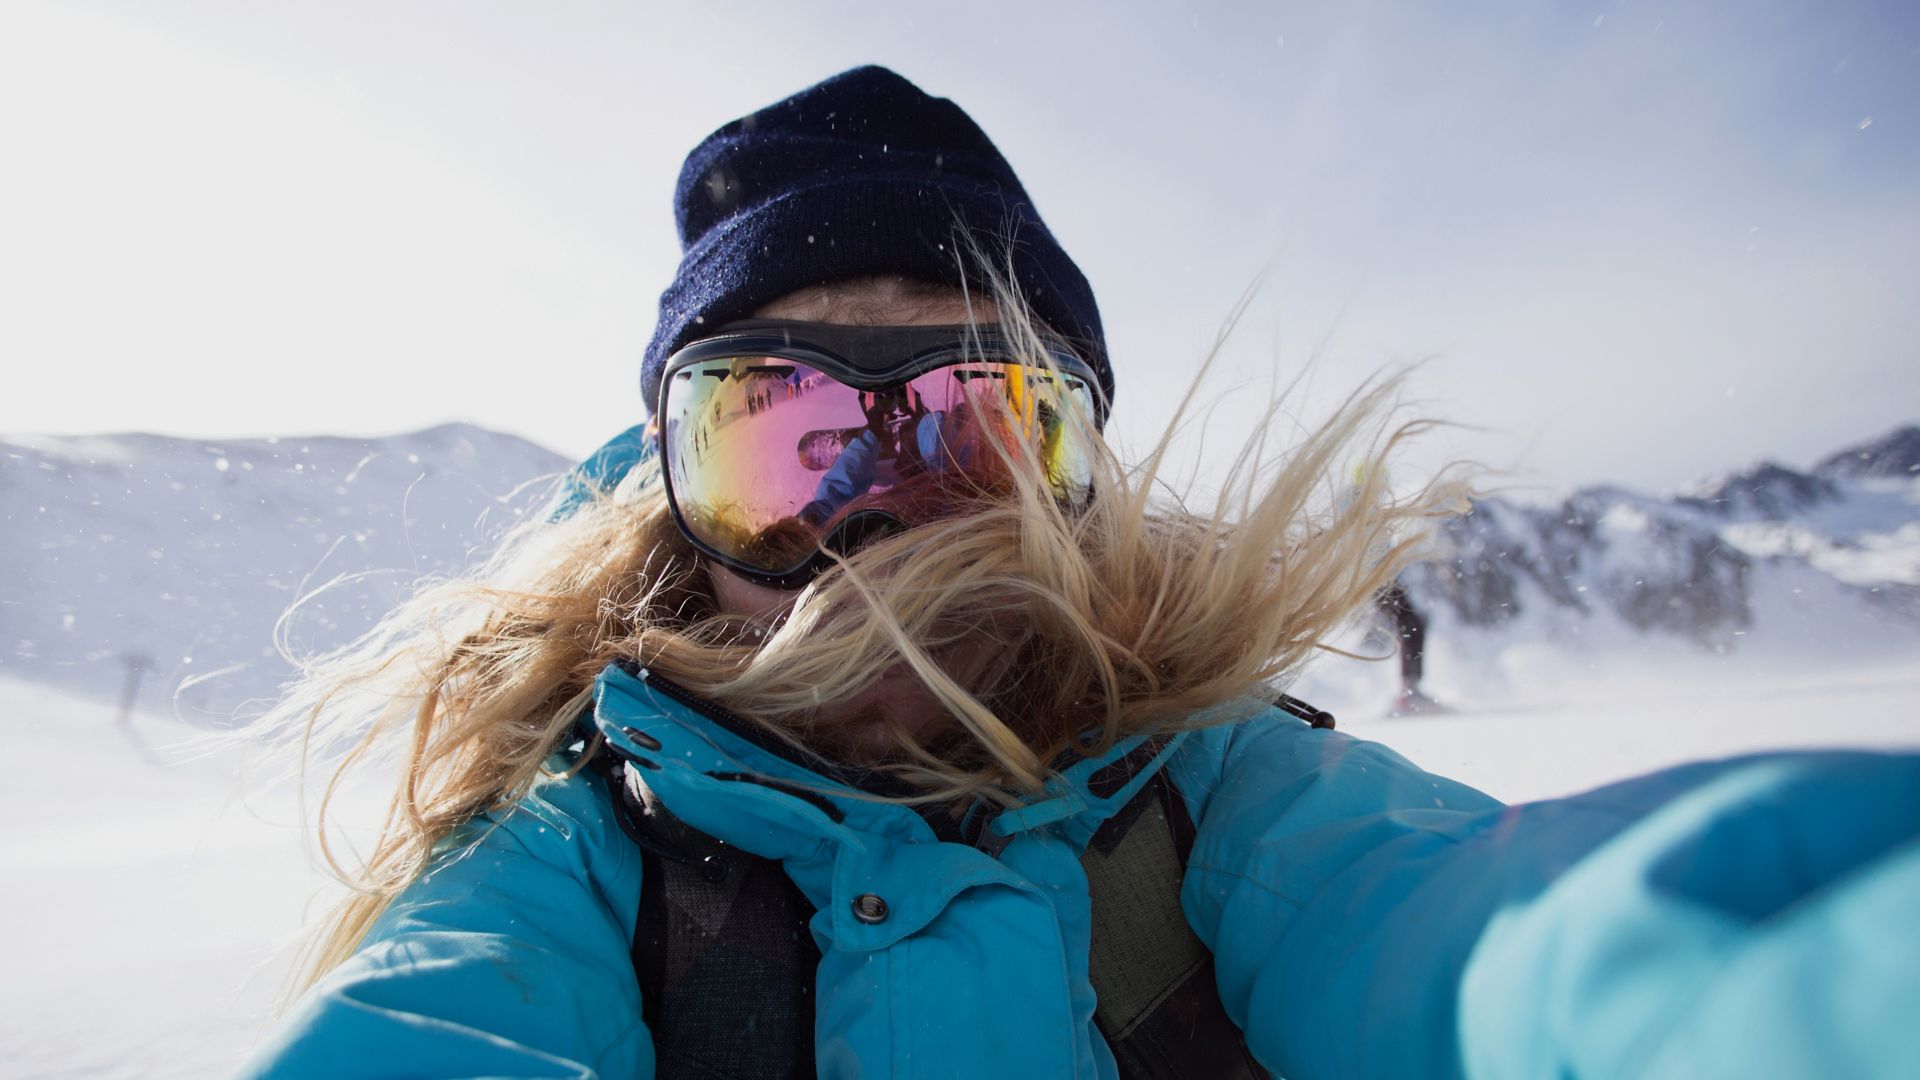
x,y
510,958
848,479
1746,917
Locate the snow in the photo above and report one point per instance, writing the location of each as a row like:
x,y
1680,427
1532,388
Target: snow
x,y
150,910
148,906
1625,727
158,568
1890,555
154,887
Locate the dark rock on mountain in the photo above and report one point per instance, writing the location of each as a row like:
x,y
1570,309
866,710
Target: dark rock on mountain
x,y
1895,455
1766,492
1691,566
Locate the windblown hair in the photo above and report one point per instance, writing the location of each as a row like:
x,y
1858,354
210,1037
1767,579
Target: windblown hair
x,y
1043,628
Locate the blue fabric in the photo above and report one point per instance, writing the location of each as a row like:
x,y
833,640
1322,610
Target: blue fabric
x,y
1748,917
603,469
509,959
858,466
850,477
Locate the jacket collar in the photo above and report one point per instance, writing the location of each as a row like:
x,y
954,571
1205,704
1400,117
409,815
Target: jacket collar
x,y
727,778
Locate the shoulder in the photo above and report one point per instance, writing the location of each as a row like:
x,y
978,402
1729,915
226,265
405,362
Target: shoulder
x,y
560,842
509,956
1269,776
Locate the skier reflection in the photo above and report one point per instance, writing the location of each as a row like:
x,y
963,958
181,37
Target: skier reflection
x,y
906,451
900,437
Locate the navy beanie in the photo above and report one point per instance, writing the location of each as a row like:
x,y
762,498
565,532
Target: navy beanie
x,y
863,174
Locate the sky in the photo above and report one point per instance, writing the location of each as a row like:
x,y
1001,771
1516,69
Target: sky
x,y
1626,241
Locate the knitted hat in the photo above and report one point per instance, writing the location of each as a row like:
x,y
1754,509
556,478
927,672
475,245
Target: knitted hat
x,y
860,175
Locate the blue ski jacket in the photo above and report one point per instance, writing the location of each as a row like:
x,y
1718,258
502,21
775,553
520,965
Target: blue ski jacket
x,y
1752,917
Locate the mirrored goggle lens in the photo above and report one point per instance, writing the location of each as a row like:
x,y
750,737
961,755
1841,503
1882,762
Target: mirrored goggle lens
x,y
767,456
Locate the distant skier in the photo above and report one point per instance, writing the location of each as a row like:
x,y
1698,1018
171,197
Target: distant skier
x,y
1409,629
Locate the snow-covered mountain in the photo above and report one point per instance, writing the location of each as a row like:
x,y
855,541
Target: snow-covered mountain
x,y
154,569
1768,562
157,568
1893,456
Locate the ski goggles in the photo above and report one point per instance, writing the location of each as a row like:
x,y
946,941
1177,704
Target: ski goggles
x,y
780,440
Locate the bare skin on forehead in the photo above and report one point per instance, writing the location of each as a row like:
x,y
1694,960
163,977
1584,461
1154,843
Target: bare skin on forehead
x,y
877,301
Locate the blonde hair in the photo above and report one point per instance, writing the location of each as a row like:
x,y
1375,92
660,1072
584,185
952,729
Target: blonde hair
x,y
1042,628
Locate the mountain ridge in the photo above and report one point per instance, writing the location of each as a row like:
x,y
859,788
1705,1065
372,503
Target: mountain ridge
x,y
1775,564
153,569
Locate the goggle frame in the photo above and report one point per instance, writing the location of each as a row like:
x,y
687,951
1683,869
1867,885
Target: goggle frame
x,y
862,358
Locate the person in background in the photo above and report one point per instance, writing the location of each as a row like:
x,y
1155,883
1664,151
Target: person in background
x,y
1004,788
1409,629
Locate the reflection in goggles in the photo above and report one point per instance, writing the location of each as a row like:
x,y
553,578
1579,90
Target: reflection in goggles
x,y
766,456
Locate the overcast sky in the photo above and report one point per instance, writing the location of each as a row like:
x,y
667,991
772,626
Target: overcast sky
x,y
1639,241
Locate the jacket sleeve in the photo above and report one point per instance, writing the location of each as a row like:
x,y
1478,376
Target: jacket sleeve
x,y
509,958
1743,917
851,475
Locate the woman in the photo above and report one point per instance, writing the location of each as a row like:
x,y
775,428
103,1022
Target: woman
x,y
974,774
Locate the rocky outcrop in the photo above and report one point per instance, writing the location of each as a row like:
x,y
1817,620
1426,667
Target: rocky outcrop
x,y
1689,566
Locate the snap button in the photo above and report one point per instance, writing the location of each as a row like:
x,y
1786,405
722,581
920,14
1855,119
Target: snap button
x,y
869,908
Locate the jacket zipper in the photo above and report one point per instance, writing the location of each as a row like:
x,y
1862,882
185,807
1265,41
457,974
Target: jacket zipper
x,y
734,724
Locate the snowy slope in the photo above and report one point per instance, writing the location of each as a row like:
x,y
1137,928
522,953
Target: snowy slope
x,y
146,909
157,563
145,905
1763,570
163,564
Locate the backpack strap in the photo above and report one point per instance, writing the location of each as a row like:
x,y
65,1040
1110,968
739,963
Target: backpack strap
x,y
1158,1004
726,961
724,957
721,948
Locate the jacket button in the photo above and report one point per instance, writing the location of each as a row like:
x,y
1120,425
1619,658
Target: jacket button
x,y
869,908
